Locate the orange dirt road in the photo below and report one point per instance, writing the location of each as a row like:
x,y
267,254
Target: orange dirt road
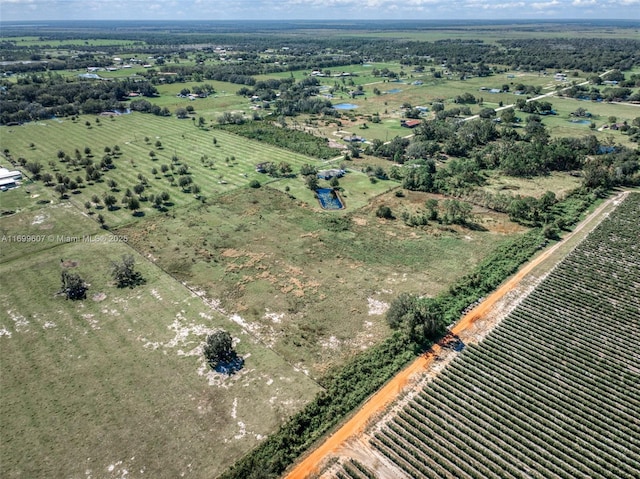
x,y
310,463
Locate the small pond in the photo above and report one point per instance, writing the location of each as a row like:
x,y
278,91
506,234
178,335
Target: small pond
x,y
345,106
580,122
394,90
329,199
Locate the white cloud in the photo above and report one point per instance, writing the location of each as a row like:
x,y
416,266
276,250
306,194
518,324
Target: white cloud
x,y
314,9
545,5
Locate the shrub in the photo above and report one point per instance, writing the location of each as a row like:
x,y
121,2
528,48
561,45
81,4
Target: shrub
x,y
384,212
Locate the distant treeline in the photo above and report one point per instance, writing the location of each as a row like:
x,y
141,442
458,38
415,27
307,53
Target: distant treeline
x,y
300,52
39,97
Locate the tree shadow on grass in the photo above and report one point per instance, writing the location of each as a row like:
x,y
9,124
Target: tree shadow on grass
x,y
230,367
475,227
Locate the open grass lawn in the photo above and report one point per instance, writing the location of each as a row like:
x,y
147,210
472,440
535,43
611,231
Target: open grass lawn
x,y
561,125
356,189
224,99
309,288
32,230
116,385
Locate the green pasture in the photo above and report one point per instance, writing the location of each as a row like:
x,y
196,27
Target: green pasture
x,y
86,384
308,282
561,124
356,189
43,227
224,99
216,168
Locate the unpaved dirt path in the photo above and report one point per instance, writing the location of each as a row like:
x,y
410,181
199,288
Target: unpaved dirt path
x,y
384,397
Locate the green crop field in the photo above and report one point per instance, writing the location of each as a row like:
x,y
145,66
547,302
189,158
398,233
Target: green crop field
x,y
552,391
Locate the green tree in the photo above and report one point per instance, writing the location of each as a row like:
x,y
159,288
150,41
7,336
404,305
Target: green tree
x,y
218,348
184,182
61,189
455,211
124,273
307,169
34,167
73,286
432,207
311,182
133,203
47,178
508,116
109,201
284,168
384,212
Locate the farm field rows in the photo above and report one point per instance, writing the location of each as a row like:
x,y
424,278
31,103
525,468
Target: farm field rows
x,y
215,168
552,391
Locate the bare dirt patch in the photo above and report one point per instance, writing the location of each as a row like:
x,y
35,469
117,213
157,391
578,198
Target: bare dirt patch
x,y
99,297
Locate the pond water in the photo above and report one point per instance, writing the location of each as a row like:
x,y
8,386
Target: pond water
x,y
394,90
345,106
580,122
329,199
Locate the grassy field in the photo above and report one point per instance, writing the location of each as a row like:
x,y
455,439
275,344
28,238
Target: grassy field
x,y
561,125
298,291
559,183
86,384
289,270
301,288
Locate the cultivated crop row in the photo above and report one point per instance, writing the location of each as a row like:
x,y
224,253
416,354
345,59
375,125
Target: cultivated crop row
x,y
554,391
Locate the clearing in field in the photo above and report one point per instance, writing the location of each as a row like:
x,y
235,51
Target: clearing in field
x,y
312,285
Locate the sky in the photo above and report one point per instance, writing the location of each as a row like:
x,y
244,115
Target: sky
x,y
31,10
